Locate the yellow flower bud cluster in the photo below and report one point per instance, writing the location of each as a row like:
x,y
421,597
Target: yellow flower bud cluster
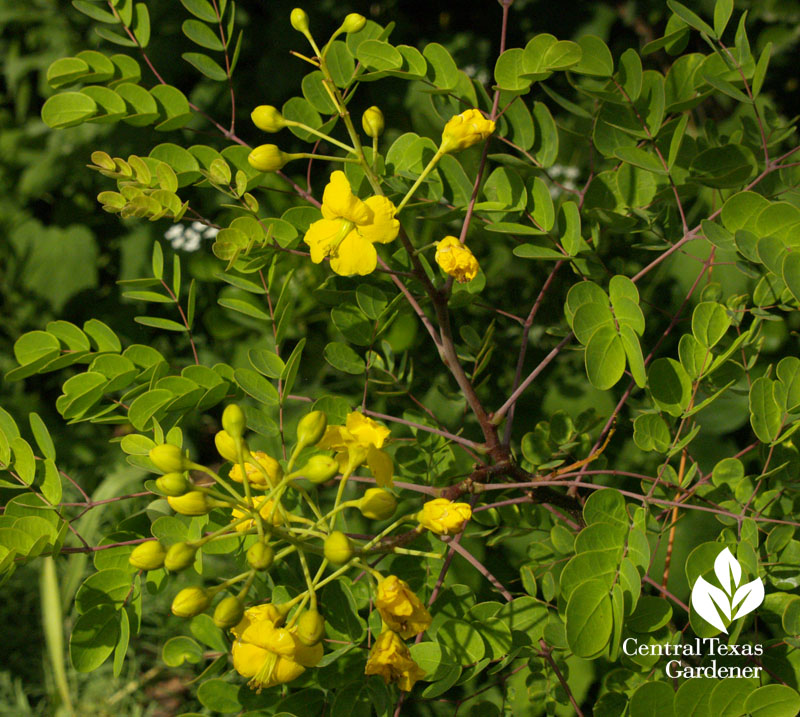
x,y
404,616
456,260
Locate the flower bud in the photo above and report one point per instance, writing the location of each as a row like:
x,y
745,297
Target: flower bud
x,y
465,130
148,556
228,612
267,118
337,548
226,446
179,557
233,421
319,469
310,627
168,458
311,428
173,484
353,22
194,502
372,121
260,556
268,158
299,20
190,602
377,504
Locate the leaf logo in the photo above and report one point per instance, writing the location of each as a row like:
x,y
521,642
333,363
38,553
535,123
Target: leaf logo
x,y
732,600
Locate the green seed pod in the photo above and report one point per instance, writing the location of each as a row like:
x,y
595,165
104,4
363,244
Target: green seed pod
x,y
337,548
228,612
179,557
233,421
377,504
148,556
190,602
173,484
310,627
299,20
260,556
168,458
353,22
372,121
194,502
318,469
268,158
311,428
268,118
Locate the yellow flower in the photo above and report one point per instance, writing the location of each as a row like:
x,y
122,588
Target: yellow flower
x,y
444,517
255,476
400,608
391,659
266,514
456,260
359,440
268,654
464,130
350,227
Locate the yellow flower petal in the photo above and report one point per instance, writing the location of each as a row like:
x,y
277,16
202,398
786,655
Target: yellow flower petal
x,y
355,255
321,236
381,466
247,658
338,201
365,430
384,227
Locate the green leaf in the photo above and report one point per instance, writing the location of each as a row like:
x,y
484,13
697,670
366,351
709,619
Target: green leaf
x,y
596,58
267,363
639,157
42,436
141,24
508,70
729,696
256,386
201,9
147,405
178,650
790,270
94,637
691,18
605,506
630,73
378,55
571,238
651,614
143,107
343,358
442,69
371,301
68,109
220,696
761,69
173,108
206,66
766,414
24,462
65,71
543,212
156,322
724,167
589,619
201,34
35,345
652,699
463,640
545,145
710,321
651,433
670,386
605,358
773,701
727,88
722,13
341,64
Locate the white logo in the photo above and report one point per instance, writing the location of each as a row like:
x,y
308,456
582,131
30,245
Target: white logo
x,y
709,601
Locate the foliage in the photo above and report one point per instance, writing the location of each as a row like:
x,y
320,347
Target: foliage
x,y
563,292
